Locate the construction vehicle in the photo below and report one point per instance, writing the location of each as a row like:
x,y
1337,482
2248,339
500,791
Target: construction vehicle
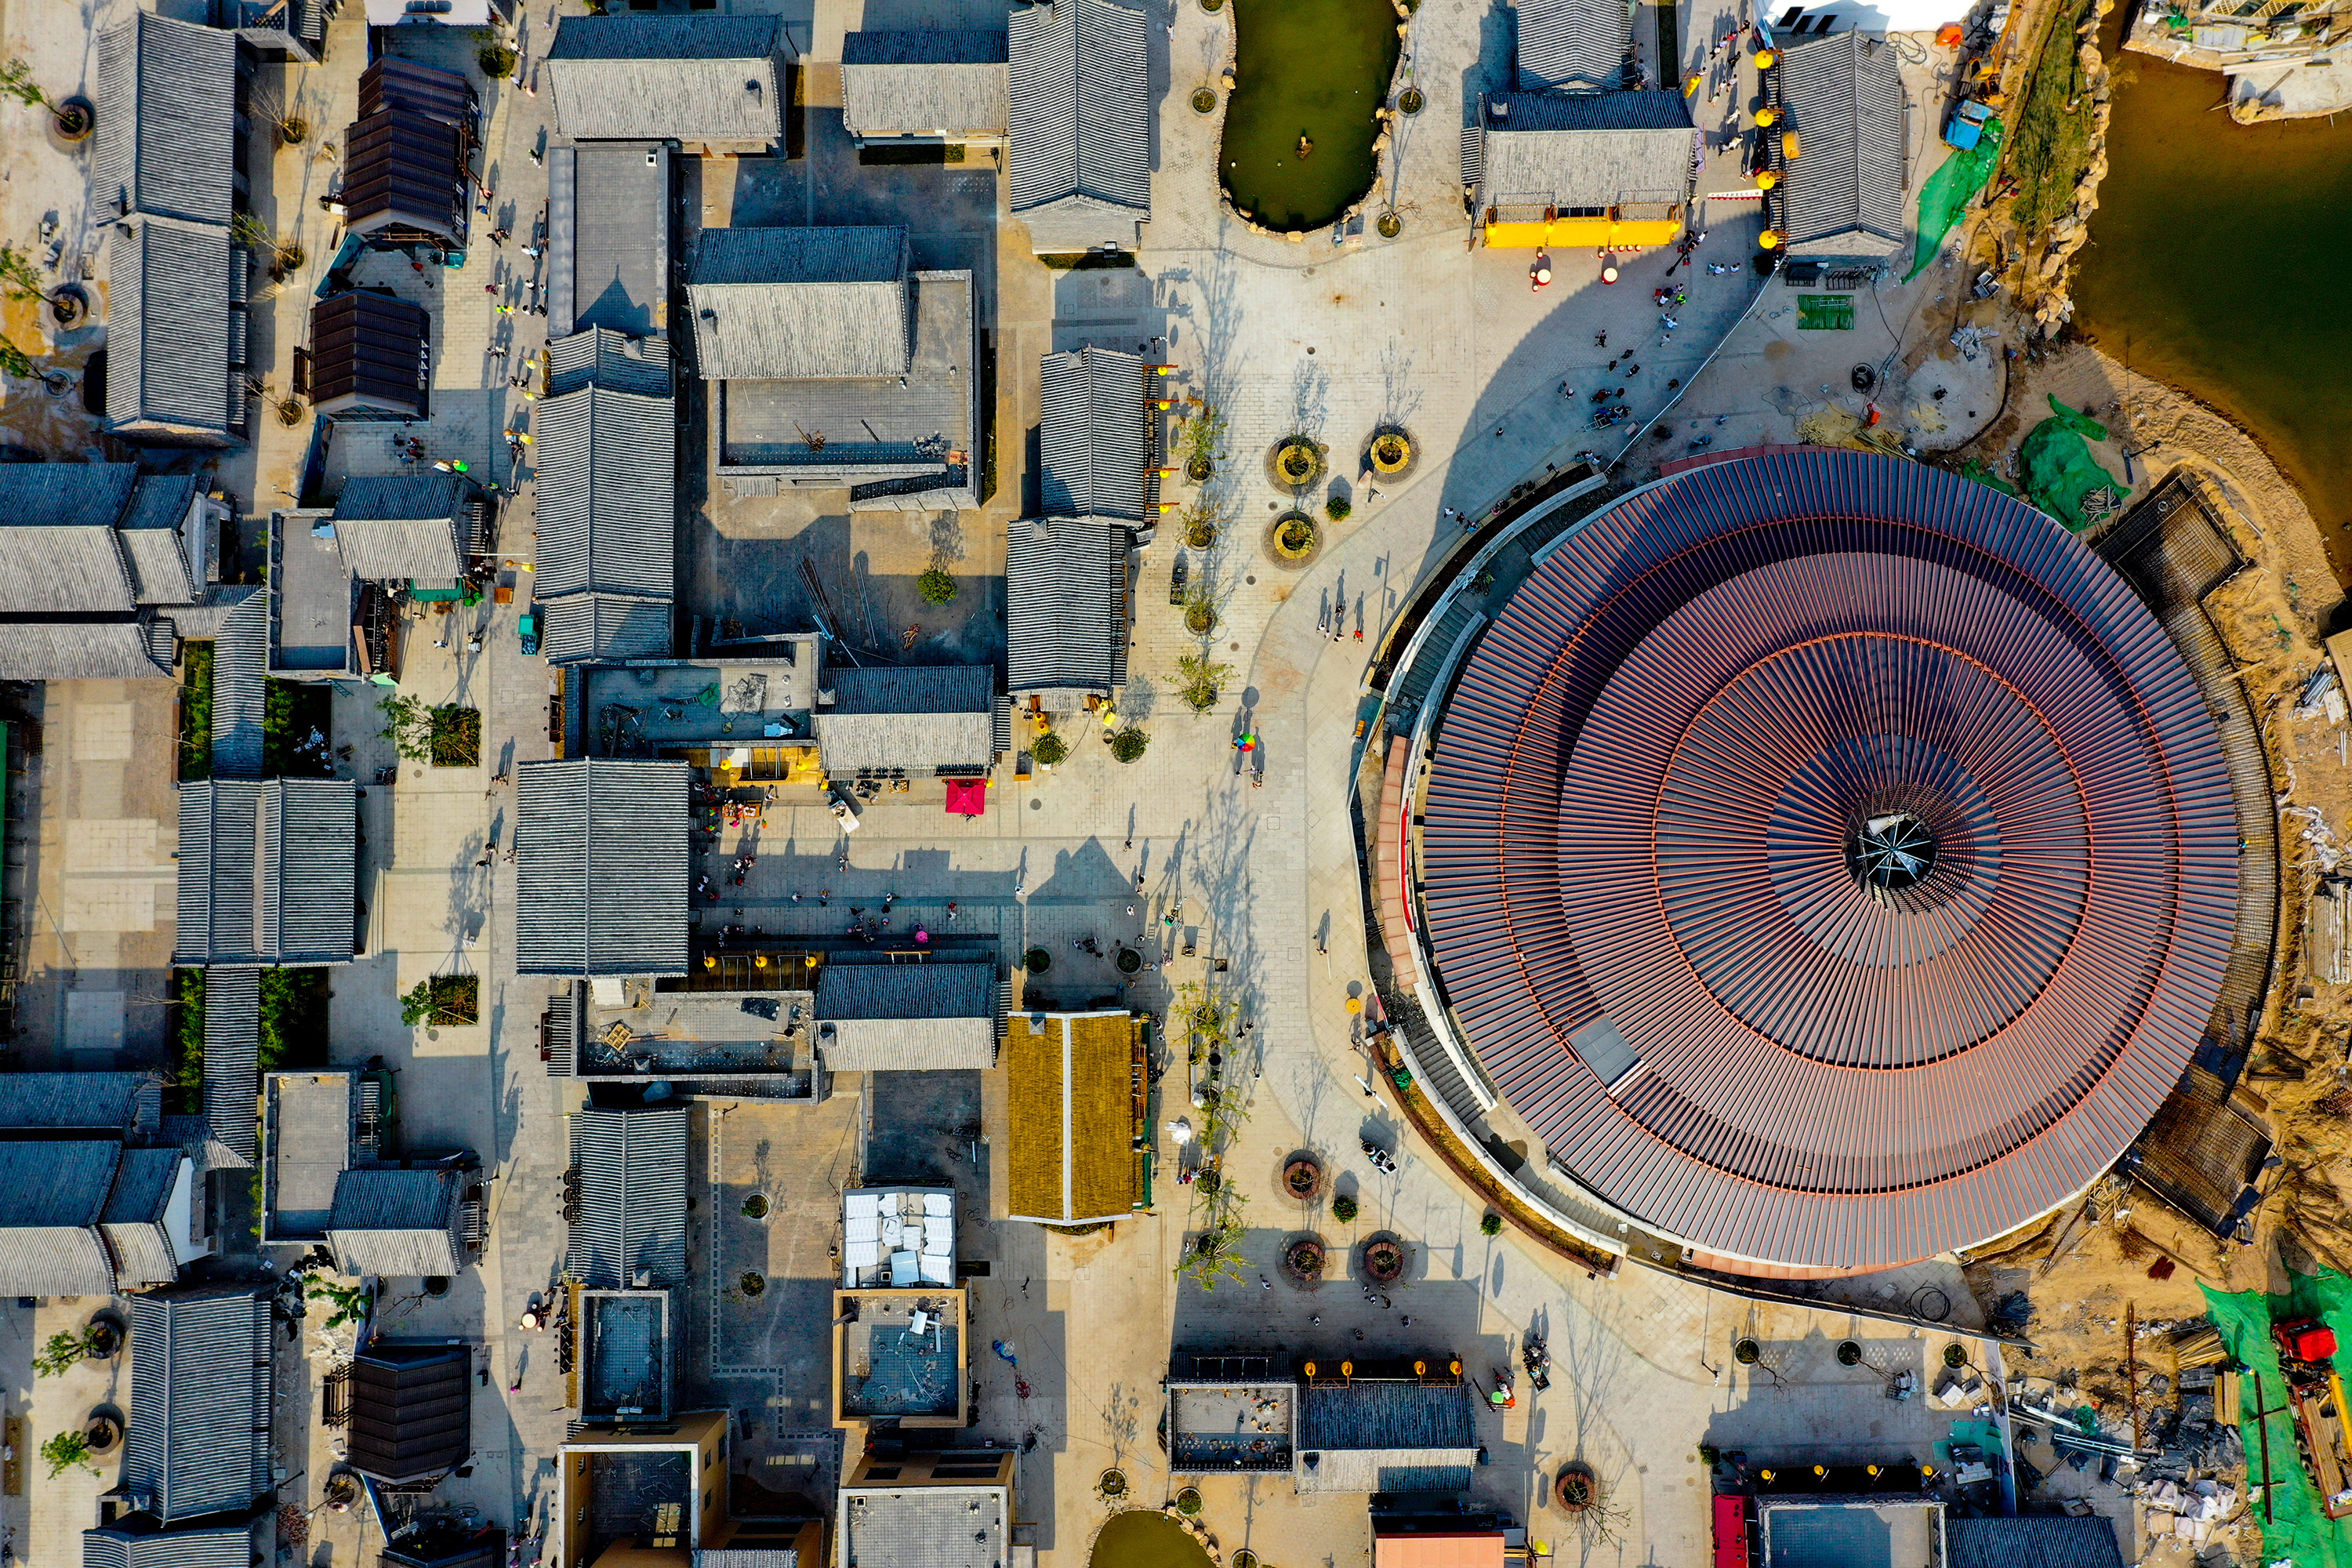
x,y
1964,129
2314,1392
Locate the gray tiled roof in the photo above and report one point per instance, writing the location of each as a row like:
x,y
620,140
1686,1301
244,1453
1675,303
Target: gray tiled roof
x,y
646,78
1572,43
109,650
171,330
602,868
1094,436
51,1196
2032,1541
925,1527
232,1057
267,871
948,83
160,572
404,526
1385,1436
398,1223
67,495
581,626
633,1170
791,303
48,567
228,1546
241,689
197,1440
1064,604
608,211
877,1017
165,139
1586,150
125,1102
135,1221
599,357
607,495
919,718
1078,123
1843,196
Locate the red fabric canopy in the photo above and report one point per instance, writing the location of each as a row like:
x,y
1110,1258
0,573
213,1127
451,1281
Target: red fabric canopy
x,y
968,797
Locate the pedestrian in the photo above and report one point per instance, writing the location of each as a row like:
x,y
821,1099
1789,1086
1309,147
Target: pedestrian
x,y
1360,1333
825,898
534,251
1405,1321
1264,1283
796,897
1600,340
1317,1319
1630,369
510,855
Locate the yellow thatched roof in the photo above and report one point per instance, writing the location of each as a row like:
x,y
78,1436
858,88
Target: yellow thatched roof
x,y
1070,1099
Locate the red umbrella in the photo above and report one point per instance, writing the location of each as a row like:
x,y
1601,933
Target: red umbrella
x,y
968,797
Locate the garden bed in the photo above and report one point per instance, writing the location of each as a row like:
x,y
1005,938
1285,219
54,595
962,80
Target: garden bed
x,y
457,739
298,718
444,1000
196,712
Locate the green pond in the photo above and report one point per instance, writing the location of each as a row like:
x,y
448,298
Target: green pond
x,y
2220,261
1313,67
1141,1539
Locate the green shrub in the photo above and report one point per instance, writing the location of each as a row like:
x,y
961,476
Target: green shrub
x,y
497,60
1037,961
1128,745
196,713
1343,1209
936,586
1337,507
1492,1224
443,999
188,1039
1050,749
65,1450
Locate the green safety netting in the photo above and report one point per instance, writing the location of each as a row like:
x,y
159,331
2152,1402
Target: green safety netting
x,y
1948,192
1984,476
2058,472
2297,1531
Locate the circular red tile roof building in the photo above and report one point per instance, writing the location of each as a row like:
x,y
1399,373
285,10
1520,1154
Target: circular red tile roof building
x,y
1830,858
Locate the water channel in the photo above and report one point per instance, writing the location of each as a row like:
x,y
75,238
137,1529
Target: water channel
x,y
1306,69
2220,261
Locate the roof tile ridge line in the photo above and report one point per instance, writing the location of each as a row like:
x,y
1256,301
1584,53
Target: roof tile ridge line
x,y
1069,1187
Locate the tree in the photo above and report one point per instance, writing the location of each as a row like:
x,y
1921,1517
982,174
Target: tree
x,y
65,1450
350,1301
17,363
497,60
18,279
1204,438
1129,743
1491,1224
16,81
1049,749
1199,680
409,725
1337,507
1217,1253
61,1354
1343,1209
936,586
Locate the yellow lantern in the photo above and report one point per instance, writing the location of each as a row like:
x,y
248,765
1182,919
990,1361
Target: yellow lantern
x,y
1767,116
1789,145
1766,180
1765,59
1769,240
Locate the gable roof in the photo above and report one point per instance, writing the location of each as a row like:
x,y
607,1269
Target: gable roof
x,y
136,1217
1094,437
165,139
580,626
129,1103
122,650
1078,123
241,686
633,1168
2032,1541
1572,43
396,1222
268,872
796,303
1385,1436
59,551
197,1440
1070,1156
1586,150
887,1017
410,1405
403,526
608,211
1844,194
232,1059
52,1195
602,356
601,877
607,494
648,78
930,80
1065,605
228,1546
161,571
368,349
408,170
67,495
913,717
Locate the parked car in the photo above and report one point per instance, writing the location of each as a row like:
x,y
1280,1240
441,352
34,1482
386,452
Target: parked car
x,y
528,628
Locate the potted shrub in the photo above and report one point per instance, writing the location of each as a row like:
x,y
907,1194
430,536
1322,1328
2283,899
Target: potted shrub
x,y
1302,1178
1128,745
1303,1260
1490,1224
1343,1209
936,587
497,60
1050,749
1337,507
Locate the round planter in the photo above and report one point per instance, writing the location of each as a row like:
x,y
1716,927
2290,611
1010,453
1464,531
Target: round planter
x,y
436,1286
289,412
1302,1178
1244,1558
1188,1503
1384,1260
1201,535
103,1431
1410,102
1198,470
1955,1356
1037,961
1129,960
1303,1258
1746,1352
73,120
1293,540
1111,1484
105,1336
1204,100
1576,1489
752,1283
1849,1354
1389,226
1390,453
1295,463
293,131
756,1206
1200,620
68,306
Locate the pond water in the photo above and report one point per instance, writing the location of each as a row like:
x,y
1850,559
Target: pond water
x,y
1316,69
1142,1539
2218,261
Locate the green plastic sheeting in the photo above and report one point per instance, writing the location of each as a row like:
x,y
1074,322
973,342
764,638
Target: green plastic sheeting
x,y
2056,467
2298,1531
1984,476
1948,192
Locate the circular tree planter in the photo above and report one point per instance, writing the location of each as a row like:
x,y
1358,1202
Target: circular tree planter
x,y
1293,540
1390,453
1244,1558
1410,102
1302,1178
289,412
1746,1352
1303,1258
104,1430
1577,1490
756,1206
1389,226
1129,960
436,1286
1201,618
1037,961
1198,470
69,306
1205,101
1295,463
752,1283
102,1340
1955,1356
1849,1354
1384,1260
1111,1484
73,120
1188,1503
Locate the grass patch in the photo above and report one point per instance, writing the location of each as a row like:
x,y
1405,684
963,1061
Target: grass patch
x,y
196,712
445,999
293,1019
2050,145
186,1092
456,737
298,716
